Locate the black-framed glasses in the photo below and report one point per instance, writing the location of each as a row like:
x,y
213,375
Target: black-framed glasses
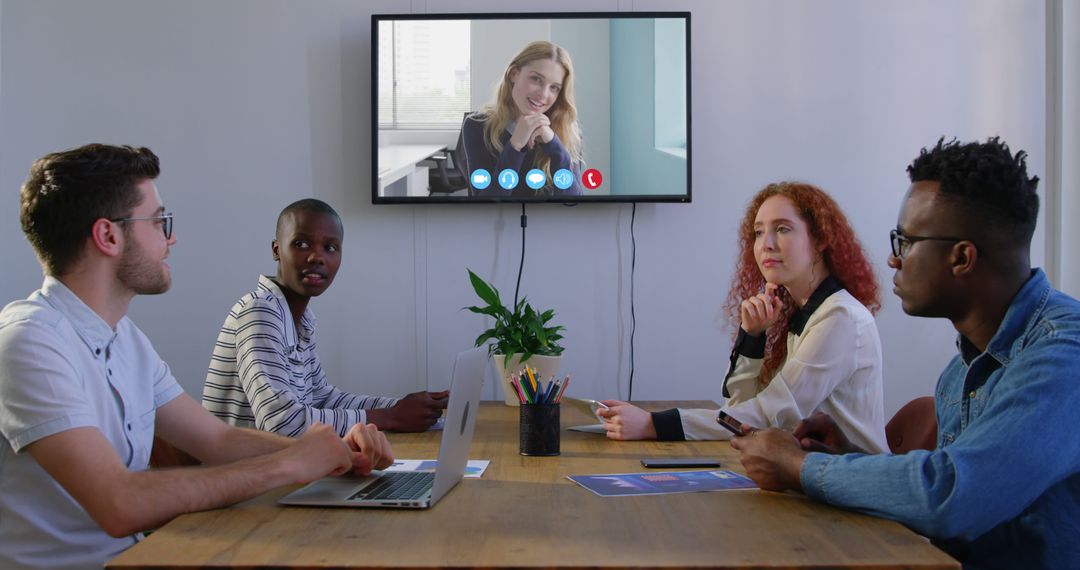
x,y
902,243
166,222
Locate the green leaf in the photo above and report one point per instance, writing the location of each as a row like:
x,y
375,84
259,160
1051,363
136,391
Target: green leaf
x,y
484,337
522,330
537,331
489,311
486,292
504,314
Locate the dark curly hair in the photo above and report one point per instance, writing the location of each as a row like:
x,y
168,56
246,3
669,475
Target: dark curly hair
x,y
987,181
68,191
843,256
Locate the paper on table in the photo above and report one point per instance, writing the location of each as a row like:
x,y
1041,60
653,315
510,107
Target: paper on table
x,y
662,482
473,470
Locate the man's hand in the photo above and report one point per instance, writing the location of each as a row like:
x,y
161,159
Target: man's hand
x,y
626,421
759,312
370,449
416,412
820,432
318,453
772,458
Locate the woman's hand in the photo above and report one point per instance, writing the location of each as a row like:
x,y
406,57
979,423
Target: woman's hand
x,y
526,130
759,312
626,421
544,135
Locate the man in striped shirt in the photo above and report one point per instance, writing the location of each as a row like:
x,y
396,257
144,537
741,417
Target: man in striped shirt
x,y
265,370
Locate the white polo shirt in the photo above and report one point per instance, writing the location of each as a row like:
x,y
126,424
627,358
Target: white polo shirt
x,y
63,367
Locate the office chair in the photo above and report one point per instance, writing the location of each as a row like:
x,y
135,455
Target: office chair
x,y
913,427
449,175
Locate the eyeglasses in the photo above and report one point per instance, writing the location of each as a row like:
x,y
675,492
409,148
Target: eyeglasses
x,y
902,243
166,222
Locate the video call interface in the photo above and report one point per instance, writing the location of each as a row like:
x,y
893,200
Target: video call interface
x,y
526,108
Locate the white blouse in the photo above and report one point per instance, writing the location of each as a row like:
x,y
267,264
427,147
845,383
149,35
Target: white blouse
x,y
833,366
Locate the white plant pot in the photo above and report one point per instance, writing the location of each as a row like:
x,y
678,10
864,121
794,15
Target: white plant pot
x,y
546,367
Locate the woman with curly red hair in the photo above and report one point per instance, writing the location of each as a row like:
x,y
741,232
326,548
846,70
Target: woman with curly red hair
x,y
803,296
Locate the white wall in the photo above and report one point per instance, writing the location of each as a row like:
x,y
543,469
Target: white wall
x,y
252,104
1068,171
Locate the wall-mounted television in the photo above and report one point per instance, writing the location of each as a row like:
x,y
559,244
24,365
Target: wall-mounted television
x,y
565,108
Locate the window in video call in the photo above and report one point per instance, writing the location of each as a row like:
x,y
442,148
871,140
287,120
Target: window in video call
x,y
516,107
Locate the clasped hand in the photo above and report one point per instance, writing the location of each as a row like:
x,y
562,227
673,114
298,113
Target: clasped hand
x,y
773,458
531,129
320,452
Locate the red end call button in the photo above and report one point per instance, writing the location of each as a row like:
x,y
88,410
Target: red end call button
x,y
592,179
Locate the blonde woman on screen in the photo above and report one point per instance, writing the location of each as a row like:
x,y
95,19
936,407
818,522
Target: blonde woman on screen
x,y
531,125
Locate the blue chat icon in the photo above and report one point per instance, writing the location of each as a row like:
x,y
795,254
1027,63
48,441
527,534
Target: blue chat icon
x,y
480,178
508,179
535,179
563,179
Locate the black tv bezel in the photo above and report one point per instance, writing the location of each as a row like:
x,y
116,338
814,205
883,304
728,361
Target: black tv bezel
x,y
444,199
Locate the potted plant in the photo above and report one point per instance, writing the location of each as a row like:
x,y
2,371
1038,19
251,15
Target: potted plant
x,y
521,336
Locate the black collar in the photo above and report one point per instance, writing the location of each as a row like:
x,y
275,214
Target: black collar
x,y
827,287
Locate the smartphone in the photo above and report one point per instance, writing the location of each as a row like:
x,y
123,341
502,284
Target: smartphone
x,y
733,425
664,462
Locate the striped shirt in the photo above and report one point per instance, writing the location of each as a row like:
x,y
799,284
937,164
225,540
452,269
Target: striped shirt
x,y
265,375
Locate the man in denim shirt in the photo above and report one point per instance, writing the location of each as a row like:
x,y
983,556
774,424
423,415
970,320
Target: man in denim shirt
x,y
1002,489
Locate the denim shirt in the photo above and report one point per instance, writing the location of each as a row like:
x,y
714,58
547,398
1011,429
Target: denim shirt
x,y
1002,489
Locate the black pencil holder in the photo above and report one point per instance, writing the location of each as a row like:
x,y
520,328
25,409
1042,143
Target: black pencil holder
x,y
539,429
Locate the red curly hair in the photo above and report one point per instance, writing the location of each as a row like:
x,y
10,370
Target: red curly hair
x,y
843,255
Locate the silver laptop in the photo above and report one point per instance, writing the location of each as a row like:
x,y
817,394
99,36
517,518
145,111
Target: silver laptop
x,y
413,490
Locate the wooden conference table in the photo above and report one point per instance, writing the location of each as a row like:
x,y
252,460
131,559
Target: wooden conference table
x,y
523,512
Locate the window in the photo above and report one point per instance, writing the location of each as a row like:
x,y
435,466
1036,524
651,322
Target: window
x,y
424,74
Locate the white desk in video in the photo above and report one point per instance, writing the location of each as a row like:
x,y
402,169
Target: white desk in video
x,y
400,172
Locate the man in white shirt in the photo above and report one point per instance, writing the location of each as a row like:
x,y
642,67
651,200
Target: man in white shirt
x,y
83,393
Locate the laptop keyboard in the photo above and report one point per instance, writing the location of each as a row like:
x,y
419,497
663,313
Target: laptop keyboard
x,y
397,486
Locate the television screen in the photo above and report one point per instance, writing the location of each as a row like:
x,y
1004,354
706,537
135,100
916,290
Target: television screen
x,y
576,107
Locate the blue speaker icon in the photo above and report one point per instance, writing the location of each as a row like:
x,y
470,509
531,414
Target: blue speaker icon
x,y
563,179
